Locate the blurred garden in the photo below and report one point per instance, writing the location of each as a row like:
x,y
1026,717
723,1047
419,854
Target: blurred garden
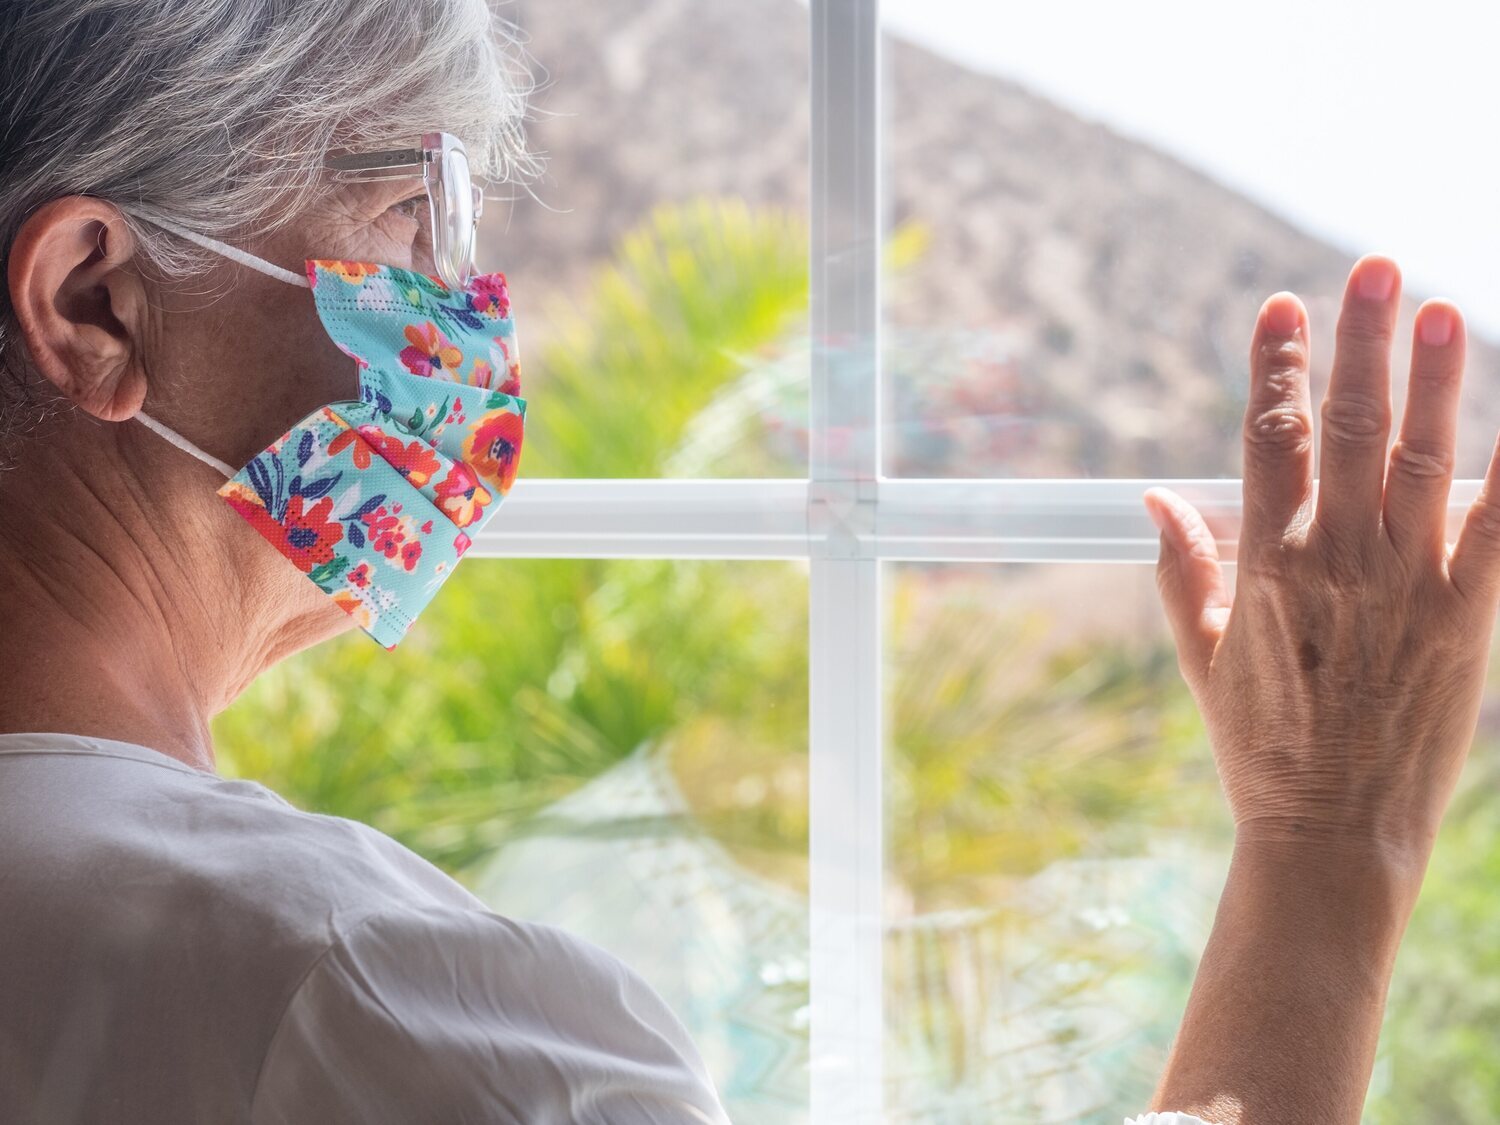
x,y
1055,834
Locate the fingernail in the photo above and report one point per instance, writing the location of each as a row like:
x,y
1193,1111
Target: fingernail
x,y
1153,509
1283,315
1377,279
1436,329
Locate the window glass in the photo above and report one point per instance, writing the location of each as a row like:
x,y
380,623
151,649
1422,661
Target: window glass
x,y
659,268
1056,845
617,748
1088,203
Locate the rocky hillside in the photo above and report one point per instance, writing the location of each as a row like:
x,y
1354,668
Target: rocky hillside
x,y
1118,284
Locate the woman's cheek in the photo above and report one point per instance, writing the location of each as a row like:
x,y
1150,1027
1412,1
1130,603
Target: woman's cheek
x,y
393,242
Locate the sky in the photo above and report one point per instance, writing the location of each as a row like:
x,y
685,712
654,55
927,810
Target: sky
x,y
1375,125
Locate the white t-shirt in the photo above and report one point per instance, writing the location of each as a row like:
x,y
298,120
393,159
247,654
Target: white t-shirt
x,y
177,947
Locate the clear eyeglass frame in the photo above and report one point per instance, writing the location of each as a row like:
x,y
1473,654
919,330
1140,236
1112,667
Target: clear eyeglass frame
x,y
454,203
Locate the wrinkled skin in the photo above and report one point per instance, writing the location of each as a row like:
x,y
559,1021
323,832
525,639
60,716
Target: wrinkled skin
x,y
1340,687
137,603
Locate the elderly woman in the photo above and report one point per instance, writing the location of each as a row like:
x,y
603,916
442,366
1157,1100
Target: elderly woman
x,y
238,239
209,207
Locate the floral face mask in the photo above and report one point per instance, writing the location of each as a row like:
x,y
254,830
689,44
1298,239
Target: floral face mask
x,y
376,500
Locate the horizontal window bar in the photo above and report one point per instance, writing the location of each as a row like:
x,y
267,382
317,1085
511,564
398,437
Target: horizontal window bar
x,y
892,518
663,519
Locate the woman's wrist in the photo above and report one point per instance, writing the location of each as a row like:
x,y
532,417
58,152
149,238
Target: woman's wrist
x,y
1318,868
1286,1007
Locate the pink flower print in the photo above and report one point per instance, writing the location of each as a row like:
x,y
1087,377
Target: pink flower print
x,y
429,352
489,297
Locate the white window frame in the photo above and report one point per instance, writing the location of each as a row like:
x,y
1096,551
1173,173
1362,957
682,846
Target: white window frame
x,y
844,520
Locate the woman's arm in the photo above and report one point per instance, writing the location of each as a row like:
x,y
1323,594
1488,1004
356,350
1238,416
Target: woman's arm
x,y
1340,689
1286,1006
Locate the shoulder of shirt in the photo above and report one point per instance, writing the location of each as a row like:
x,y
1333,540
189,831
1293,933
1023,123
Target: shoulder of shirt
x,y
232,851
546,990
1166,1119
259,900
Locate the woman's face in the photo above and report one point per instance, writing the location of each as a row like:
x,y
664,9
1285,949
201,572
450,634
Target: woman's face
x,y
237,357
234,358
230,359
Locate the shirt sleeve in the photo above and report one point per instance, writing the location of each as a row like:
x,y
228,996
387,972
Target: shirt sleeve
x,y
1167,1119
465,1016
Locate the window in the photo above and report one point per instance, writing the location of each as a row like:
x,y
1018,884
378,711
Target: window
x,y
804,668
1085,206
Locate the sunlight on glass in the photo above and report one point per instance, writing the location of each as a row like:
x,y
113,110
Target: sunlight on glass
x,y
1106,211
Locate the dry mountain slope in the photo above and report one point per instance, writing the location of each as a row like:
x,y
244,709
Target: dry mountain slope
x,y
1122,282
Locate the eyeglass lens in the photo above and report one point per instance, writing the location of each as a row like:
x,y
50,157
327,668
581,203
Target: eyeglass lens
x,y
458,234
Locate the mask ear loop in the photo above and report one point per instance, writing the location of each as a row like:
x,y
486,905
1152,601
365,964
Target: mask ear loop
x,y
183,444
234,254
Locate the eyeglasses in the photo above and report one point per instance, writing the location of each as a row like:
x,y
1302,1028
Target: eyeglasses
x,y
454,203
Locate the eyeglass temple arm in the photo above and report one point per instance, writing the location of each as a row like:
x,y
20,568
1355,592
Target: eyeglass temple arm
x,y
393,164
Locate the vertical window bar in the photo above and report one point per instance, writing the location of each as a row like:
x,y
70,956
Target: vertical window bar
x,y
847,860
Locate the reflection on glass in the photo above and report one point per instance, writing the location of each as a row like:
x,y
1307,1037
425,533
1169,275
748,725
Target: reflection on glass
x,y
618,748
1056,845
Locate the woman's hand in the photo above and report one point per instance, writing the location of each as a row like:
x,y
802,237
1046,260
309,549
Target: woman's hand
x,y
1341,688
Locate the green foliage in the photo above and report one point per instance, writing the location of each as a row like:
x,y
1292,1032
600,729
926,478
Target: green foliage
x,y
526,678
1012,750
1437,1049
691,291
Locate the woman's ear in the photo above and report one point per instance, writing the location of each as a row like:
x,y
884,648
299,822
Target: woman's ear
x,y
81,307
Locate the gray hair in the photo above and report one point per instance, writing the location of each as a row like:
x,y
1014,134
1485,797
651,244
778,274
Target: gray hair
x,y
219,114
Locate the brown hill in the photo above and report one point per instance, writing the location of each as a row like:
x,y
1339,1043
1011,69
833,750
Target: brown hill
x,y
1118,284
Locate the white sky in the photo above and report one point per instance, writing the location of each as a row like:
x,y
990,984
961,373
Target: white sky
x,y
1374,124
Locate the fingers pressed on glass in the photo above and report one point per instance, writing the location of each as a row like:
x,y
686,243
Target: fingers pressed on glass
x,y
1278,423
1191,580
1356,413
1420,472
1475,565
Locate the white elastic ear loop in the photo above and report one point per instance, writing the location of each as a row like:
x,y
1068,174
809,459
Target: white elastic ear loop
x,y
182,443
233,253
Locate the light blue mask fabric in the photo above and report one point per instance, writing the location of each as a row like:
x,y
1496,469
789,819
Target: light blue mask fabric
x,y
377,499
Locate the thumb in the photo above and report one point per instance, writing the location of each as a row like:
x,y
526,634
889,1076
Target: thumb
x,y
1190,580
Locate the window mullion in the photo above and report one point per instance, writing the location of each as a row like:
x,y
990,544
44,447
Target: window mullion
x,y
845,835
